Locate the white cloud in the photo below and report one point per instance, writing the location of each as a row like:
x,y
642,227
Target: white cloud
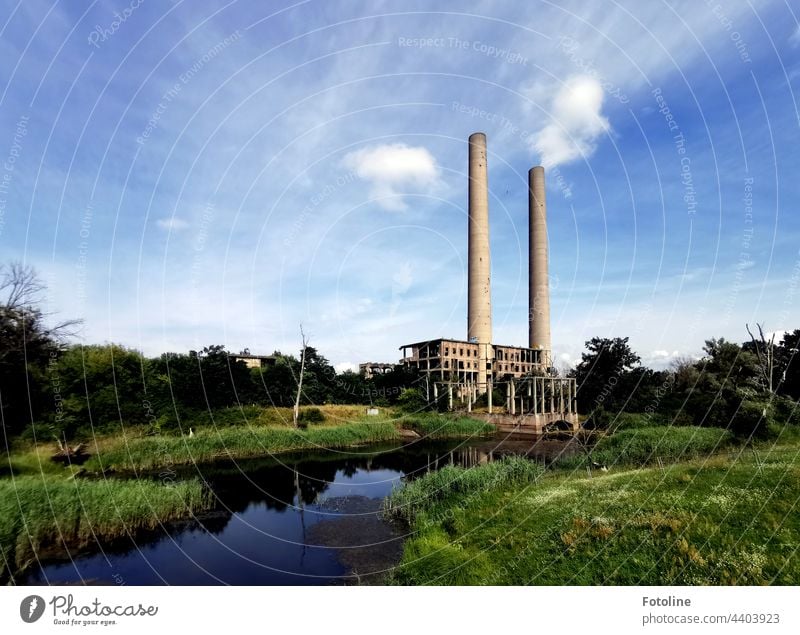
x,y
576,124
173,223
794,38
342,367
393,169
660,359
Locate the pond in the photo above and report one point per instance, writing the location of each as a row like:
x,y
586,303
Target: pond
x,y
289,520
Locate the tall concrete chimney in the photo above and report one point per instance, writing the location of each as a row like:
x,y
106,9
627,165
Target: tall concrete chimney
x,y
479,297
538,279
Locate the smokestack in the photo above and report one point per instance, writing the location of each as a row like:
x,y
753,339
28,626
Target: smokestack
x,y
479,298
538,281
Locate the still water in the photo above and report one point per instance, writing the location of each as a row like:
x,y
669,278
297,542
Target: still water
x,y
290,520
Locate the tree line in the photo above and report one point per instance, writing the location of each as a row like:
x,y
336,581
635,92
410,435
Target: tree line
x,y
69,390
748,388
49,387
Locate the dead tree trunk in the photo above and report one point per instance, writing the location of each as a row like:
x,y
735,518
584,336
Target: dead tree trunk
x,y
296,414
765,352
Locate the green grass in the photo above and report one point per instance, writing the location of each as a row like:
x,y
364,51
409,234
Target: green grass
x,y
437,490
240,442
633,420
439,426
727,519
272,416
148,453
47,512
645,445
34,460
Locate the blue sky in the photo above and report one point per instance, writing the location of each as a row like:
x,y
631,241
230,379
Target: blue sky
x,y
184,174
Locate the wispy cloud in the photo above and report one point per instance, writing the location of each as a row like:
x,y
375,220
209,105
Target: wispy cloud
x,y
794,38
172,224
577,122
392,170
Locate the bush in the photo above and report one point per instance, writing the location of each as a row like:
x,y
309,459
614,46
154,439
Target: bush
x,y
786,410
498,399
311,415
412,400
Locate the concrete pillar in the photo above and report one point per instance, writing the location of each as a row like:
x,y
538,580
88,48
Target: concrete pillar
x,y
513,397
479,297
489,396
538,276
449,396
574,397
535,397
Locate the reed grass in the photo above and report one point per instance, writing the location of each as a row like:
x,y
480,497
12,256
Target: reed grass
x,y
641,446
44,512
723,519
436,489
439,426
240,442
150,453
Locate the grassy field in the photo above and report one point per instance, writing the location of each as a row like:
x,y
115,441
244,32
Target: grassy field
x,y
646,445
135,450
728,519
240,442
334,414
149,453
435,426
42,513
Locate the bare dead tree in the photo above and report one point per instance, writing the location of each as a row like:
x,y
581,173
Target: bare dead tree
x,y
22,288
765,352
300,380
21,285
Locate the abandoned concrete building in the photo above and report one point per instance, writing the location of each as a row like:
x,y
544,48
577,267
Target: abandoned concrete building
x,y
465,369
368,370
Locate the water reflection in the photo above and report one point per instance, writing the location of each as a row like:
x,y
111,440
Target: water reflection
x,y
303,519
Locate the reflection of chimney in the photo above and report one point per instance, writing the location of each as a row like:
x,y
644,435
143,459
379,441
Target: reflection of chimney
x,y
479,297
538,281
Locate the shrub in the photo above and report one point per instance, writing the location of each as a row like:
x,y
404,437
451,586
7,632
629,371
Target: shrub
x,y
311,415
498,399
412,400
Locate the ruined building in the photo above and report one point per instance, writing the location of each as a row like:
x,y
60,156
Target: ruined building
x,y
474,366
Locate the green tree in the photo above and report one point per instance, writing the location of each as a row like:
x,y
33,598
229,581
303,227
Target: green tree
x,y
603,367
204,380
276,384
27,344
102,386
